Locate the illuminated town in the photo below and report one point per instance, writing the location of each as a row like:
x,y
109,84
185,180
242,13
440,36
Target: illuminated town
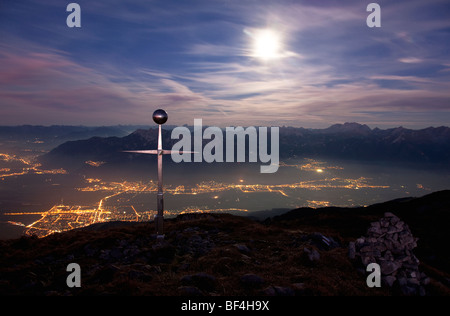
x,y
29,167
117,204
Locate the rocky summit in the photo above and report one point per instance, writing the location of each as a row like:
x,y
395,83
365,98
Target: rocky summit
x,y
390,243
303,252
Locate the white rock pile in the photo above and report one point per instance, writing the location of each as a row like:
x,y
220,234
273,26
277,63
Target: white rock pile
x,y
389,243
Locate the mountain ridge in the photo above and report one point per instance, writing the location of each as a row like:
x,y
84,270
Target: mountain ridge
x,y
341,141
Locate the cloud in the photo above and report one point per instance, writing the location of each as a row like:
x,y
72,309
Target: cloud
x,y
410,60
48,86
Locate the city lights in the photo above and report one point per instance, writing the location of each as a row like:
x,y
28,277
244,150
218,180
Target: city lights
x,y
63,217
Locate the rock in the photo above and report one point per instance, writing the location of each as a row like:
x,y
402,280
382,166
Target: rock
x,y
413,282
379,247
425,280
201,280
299,288
389,267
388,256
366,249
366,260
394,220
402,281
242,248
393,230
269,291
205,281
284,291
422,291
406,239
313,254
389,242
278,291
251,280
375,231
389,280
351,250
384,222
321,241
186,279
408,290
375,224
189,291
400,225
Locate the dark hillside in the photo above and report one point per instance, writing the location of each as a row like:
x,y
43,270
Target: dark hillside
x,y
303,252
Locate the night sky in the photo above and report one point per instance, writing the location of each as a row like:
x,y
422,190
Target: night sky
x,y
230,63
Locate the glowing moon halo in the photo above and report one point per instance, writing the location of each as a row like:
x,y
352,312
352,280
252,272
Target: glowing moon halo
x,y
267,45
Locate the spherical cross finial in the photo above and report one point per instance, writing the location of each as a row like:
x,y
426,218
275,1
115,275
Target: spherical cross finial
x,y
160,116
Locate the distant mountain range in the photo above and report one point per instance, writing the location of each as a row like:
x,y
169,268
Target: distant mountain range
x,y
359,142
48,137
340,141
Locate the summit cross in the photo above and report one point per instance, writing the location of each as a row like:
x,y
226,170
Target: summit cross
x,y
159,117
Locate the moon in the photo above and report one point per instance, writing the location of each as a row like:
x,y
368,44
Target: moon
x,y
267,45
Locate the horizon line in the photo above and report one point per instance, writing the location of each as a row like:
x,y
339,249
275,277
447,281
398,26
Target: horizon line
x,y
170,126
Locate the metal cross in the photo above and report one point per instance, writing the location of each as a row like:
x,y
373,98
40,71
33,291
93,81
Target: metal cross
x,y
159,117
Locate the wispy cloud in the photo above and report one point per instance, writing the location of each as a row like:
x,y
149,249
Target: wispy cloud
x,y
410,60
195,59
